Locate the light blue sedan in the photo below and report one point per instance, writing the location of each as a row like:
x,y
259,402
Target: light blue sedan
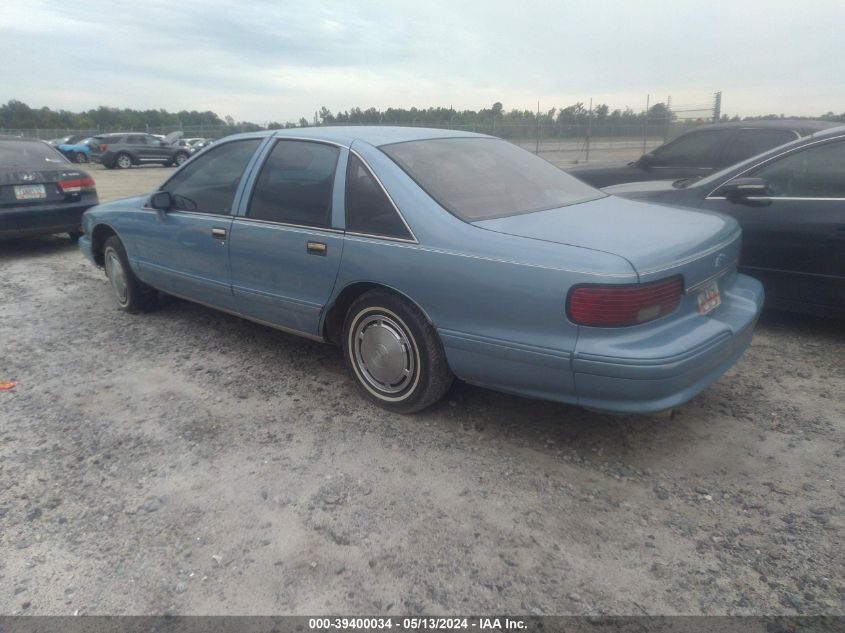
x,y
432,254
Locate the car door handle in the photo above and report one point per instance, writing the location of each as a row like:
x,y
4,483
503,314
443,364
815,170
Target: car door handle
x,y
218,233
316,248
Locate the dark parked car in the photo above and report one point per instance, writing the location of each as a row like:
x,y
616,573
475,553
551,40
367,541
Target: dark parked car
x,y
790,202
701,151
40,191
428,254
123,150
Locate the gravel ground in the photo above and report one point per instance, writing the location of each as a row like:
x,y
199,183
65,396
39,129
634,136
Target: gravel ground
x,y
186,461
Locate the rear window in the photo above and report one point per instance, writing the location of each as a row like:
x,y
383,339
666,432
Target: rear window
x,y
28,154
480,178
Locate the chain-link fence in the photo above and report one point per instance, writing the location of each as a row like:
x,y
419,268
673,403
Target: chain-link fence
x,y
589,139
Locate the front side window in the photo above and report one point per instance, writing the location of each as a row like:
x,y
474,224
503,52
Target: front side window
x,y
209,183
295,184
695,149
816,172
484,178
749,143
368,209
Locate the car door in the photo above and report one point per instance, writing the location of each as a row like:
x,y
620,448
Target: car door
x,y
794,238
139,146
184,250
285,248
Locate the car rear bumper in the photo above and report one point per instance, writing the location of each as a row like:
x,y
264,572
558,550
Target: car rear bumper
x,y
664,368
41,221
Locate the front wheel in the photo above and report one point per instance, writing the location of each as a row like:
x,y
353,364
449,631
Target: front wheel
x,y
131,293
123,161
394,353
180,158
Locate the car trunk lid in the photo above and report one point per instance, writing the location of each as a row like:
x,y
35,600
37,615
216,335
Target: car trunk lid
x,y
22,186
659,241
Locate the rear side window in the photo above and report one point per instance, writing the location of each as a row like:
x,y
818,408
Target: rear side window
x,y
694,149
208,184
484,178
368,209
295,184
748,143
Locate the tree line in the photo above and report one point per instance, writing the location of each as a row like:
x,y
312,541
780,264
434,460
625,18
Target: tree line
x,y
18,115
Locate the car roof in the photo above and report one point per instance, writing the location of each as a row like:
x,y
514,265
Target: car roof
x,y
373,134
807,126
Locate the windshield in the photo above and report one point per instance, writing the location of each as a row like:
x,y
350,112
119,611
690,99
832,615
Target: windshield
x,y
484,178
28,154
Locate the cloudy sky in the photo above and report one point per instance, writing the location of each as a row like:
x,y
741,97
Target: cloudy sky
x,y
264,60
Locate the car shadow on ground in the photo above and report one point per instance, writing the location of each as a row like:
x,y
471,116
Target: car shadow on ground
x,y
465,408
803,324
38,246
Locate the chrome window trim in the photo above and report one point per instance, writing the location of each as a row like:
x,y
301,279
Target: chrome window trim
x,y
282,137
289,225
413,239
772,198
710,195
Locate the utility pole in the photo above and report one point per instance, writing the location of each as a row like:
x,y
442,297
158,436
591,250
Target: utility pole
x,y
717,107
537,151
589,130
645,124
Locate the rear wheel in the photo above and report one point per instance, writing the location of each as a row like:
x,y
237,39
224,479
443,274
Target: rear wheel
x,y
131,294
394,353
123,161
180,158
80,157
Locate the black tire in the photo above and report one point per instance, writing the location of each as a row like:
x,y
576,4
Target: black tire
x,y
108,165
131,294
74,235
394,353
180,158
79,157
123,161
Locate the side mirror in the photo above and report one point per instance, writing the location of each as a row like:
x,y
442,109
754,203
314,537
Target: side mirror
x,y
741,189
161,200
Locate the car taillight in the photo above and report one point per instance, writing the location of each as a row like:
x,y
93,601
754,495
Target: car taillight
x,y
76,185
103,147
621,305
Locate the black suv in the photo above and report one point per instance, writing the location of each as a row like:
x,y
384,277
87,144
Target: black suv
x,y
122,150
701,151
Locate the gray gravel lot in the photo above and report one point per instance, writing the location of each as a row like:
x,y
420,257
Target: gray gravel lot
x,y
186,461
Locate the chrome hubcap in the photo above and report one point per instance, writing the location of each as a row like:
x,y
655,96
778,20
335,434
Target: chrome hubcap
x,y
384,354
117,277
181,158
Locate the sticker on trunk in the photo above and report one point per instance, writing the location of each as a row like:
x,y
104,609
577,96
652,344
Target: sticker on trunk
x,y
709,298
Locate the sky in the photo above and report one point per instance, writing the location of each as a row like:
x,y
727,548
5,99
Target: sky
x,y
267,60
